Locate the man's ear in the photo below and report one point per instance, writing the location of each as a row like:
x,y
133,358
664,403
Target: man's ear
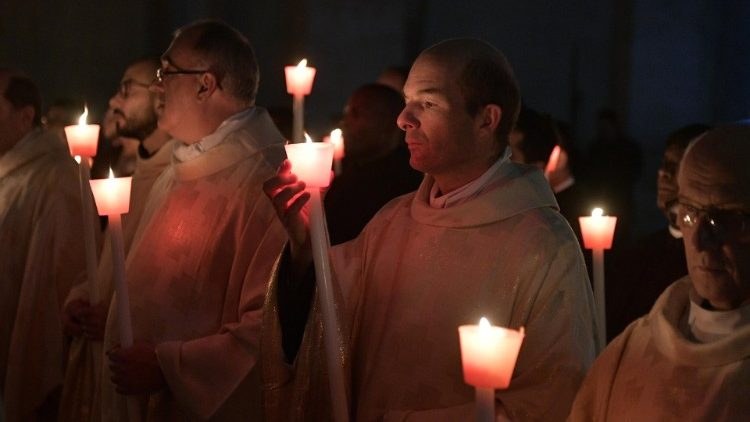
x,y
208,85
490,116
27,114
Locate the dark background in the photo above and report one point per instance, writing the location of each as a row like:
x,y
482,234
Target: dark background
x,y
659,63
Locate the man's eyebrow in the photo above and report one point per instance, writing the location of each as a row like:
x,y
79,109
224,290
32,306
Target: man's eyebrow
x,y
429,90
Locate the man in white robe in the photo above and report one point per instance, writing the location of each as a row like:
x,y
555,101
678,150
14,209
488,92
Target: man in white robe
x,y
689,358
134,109
207,243
481,237
42,251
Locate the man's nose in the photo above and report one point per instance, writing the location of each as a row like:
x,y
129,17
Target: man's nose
x,y
705,236
406,119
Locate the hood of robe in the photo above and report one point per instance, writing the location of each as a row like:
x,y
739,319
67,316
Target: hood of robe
x,y
257,135
514,189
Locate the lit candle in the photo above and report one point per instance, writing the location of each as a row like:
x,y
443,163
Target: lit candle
x,y
82,140
299,81
112,199
311,162
488,356
598,231
338,149
554,158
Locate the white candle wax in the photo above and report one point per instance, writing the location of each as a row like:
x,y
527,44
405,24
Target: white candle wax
x,y
299,79
89,236
489,354
598,231
112,195
311,162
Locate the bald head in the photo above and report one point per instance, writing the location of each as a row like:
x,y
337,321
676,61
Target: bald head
x,y
716,163
714,216
486,77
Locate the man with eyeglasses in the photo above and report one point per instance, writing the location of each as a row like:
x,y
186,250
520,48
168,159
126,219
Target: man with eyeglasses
x,y
134,110
689,358
638,274
206,244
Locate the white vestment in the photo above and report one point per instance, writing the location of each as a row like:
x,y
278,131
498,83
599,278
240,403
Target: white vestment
x,y
41,257
197,274
655,371
414,275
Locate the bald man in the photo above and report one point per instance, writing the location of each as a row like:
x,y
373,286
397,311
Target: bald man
x,y
688,359
480,237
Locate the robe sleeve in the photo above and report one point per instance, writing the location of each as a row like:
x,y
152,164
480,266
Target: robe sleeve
x,y
559,345
204,373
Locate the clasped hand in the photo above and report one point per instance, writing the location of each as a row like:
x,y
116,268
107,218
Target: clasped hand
x,y
135,369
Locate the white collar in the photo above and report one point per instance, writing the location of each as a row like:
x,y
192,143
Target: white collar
x,y
709,326
184,152
469,190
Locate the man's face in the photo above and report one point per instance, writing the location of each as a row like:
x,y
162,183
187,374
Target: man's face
x,y
12,127
134,106
177,93
666,181
718,259
441,135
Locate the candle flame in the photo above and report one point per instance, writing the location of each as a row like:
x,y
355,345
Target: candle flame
x,y
82,119
484,323
597,212
78,159
336,136
111,173
308,139
302,63
554,159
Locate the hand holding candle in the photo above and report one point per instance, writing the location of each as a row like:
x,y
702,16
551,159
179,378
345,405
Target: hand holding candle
x,y
598,231
488,355
311,162
112,197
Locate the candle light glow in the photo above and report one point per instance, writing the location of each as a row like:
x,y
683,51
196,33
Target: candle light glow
x,y
299,79
311,161
489,354
82,138
112,195
597,230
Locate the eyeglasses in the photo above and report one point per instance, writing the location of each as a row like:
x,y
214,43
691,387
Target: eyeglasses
x,y
161,73
725,225
126,85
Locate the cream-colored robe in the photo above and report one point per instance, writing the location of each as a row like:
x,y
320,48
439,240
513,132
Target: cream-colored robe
x,y
197,274
654,372
41,257
414,275
83,372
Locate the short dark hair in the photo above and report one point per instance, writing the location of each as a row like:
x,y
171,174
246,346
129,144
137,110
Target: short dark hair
x,y
486,77
229,55
23,92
